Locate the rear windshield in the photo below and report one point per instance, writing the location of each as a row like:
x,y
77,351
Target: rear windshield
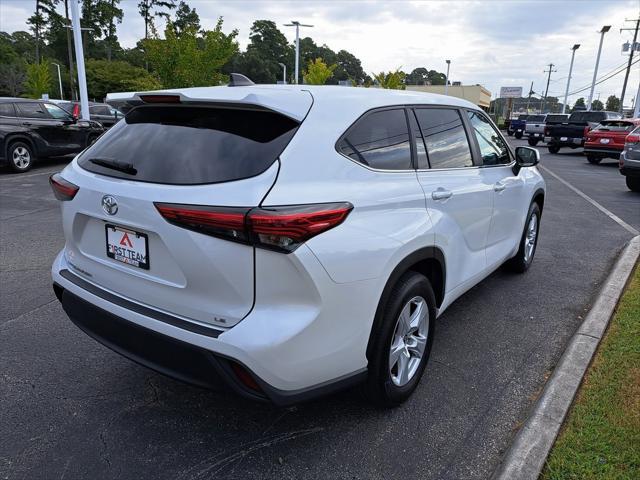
x,y
535,118
188,145
523,117
615,126
587,117
556,118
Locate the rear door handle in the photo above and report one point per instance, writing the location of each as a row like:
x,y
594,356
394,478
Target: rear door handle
x,y
27,124
441,194
499,186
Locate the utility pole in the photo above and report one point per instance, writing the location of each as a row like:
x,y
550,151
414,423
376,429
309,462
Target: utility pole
x,y
446,79
603,30
636,109
544,100
82,78
633,47
59,79
295,23
566,92
529,98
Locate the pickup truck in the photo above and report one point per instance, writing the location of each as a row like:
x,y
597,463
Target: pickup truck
x,y
534,129
573,132
517,125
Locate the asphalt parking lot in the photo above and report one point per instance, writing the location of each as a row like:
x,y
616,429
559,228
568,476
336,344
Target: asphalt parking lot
x,y
70,408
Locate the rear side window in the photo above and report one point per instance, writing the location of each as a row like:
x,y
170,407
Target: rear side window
x,y
615,126
189,145
7,110
31,110
445,137
379,140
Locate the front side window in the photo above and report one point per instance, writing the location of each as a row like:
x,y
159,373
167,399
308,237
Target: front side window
x,y
56,112
493,148
445,137
379,140
32,110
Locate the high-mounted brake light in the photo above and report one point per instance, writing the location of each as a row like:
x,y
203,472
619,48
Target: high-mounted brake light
x,y
62,189
160,98
276,228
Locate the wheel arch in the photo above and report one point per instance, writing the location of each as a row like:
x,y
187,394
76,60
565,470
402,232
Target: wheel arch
x,y
428,261
538,197
20,138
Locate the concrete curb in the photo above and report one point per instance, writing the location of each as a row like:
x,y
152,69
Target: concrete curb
x,y
528,452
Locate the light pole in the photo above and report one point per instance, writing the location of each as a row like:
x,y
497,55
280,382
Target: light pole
x,y
446,79
82,78
59,79
604,30
295,23
284,72
566,92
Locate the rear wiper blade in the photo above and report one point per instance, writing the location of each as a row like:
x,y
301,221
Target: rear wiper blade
x,y
115,165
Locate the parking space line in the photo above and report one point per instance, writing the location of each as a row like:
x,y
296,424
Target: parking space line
x,y
21,176
609,214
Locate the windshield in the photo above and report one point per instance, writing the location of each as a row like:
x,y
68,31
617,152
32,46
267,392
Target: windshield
x,y
190,145
557,118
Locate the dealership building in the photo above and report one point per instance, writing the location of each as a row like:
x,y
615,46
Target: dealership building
x,y
476,94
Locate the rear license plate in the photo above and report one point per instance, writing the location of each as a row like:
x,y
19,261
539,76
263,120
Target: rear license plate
x,y
536,134
563,139
127,246
519,129
577,141
604,140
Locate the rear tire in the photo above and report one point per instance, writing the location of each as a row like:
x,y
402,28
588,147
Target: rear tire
x,y
533,142
593,160
510,133
518,135
554,149
528,243
20,156
406,325
633,183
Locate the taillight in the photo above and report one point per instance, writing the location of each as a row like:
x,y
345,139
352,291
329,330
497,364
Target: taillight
x,y
586,131
277,228
546,131
632,139
160,98
62,189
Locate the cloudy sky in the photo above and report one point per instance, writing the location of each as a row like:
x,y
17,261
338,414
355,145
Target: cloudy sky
x,y
491,42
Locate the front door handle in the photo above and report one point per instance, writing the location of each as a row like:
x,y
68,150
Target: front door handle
x,y
441,194
27,124
499,186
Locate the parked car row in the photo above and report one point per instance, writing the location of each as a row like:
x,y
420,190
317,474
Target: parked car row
x,y
99,112
536,125
31,129
573,132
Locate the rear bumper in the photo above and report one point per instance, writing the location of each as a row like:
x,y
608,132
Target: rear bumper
x,y
602,152
569,142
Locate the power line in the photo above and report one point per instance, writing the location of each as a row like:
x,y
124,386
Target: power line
x,y
623,64
604,79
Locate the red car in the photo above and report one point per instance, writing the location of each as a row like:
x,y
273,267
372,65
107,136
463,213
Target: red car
x,y
607,139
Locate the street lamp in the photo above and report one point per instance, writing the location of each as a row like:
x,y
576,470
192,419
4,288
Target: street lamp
x,y
566,92
295,23
446,79
604,30
82,77
59,79
284,72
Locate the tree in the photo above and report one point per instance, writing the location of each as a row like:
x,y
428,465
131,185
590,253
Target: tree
x,y
318,72
597,105
152,8
40,22
391,80
613,103
193,59
349,68
579,105
186,18
38,79
105,76
418,76
12,77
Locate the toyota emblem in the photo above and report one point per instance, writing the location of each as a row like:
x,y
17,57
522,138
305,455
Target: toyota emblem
x,y
109,205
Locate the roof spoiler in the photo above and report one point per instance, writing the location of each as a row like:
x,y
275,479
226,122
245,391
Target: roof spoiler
x,y
239,80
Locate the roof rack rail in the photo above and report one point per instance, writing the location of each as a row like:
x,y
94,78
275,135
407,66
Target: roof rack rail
x,y
239,80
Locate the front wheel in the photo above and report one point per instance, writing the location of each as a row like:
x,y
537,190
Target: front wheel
x,y
593,159
518,135
633,183
21,157
528,243
554,150
401,341
533,142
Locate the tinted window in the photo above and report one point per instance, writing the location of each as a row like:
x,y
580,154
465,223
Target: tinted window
x,y
587,117
7,110
493,148
99,110
56,112
67,106
557,118
536,118
523,117
186,145
31,110
444,137
379,140
615,126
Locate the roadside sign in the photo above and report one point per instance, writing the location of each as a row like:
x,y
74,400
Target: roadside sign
x,y
510,92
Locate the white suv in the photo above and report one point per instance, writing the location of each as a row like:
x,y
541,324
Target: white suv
x,y
289,241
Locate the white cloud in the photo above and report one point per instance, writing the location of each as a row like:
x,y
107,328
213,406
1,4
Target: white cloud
x,y
493,43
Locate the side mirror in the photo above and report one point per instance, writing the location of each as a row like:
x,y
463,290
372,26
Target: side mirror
x,y
527,156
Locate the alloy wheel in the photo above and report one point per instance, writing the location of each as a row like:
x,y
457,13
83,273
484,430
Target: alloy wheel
x,y
530,238
21,157
409,341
